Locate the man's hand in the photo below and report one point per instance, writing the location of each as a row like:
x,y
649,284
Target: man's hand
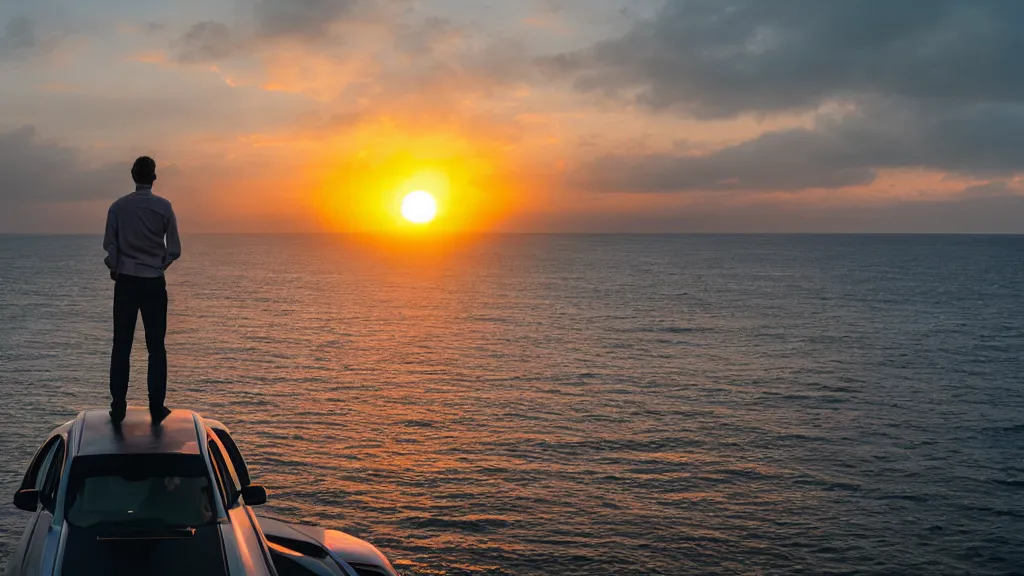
x,y
113,276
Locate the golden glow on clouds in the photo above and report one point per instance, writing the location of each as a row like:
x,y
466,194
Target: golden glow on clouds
x,y
333,135
366,172
372,128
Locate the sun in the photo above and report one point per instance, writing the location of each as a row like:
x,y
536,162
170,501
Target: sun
x,y
419,207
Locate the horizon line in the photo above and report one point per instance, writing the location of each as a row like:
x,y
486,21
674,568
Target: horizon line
x,y
451,234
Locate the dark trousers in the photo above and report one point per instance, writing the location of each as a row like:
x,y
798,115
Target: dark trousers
x,y
132,294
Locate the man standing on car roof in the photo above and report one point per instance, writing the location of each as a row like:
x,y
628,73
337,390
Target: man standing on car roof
x,y
141,242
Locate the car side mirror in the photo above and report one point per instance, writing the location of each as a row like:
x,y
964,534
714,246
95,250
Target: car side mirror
x,y
254,495
27,500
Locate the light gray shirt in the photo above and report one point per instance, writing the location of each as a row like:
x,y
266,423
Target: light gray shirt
x,y
136,227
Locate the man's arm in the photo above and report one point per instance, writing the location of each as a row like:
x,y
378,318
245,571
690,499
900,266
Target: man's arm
x,y
173,242
110,242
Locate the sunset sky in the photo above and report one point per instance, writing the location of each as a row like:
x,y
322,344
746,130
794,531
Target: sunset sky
x,y
518,115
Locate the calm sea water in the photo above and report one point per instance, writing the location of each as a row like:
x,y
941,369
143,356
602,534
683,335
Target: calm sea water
x,y
577,405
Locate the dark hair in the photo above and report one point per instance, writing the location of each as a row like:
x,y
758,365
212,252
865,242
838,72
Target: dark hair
x,y
144,171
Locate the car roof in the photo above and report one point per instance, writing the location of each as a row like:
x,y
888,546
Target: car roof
x,y
177,434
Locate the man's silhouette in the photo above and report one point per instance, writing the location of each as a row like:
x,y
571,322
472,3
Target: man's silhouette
x,y
137,257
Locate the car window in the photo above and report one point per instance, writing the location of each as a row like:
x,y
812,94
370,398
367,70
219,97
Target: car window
x,y
226,475
43,466
235,456
51,475
142,490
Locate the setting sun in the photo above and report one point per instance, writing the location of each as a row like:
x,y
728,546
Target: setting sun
x,y
419,207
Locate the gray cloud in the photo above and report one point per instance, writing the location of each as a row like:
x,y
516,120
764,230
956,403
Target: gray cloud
x,y
19,37
422,38
935,85
307,18
37,172
981,139
994,189
206,41
717,58
45,185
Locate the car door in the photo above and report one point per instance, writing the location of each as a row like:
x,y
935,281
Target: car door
x,y
43,476
242,532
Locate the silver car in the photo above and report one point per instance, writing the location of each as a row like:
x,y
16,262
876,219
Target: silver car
x,y
174,498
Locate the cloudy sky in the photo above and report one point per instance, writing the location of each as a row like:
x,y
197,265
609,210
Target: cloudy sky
x,y
520,115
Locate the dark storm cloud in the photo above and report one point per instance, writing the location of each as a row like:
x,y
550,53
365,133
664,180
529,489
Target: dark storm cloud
x,y
717,58
18,38
981,139
206,41
37,172
935,85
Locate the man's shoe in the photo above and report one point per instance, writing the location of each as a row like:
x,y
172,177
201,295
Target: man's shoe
x,y
159,414
117,416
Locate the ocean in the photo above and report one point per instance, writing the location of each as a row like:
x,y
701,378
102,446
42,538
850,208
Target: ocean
x,y
570,405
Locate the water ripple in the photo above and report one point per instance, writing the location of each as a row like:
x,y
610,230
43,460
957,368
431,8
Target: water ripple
x,y
578,405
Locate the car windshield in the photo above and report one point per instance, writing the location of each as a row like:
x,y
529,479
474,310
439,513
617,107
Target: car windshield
x,y
139,491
